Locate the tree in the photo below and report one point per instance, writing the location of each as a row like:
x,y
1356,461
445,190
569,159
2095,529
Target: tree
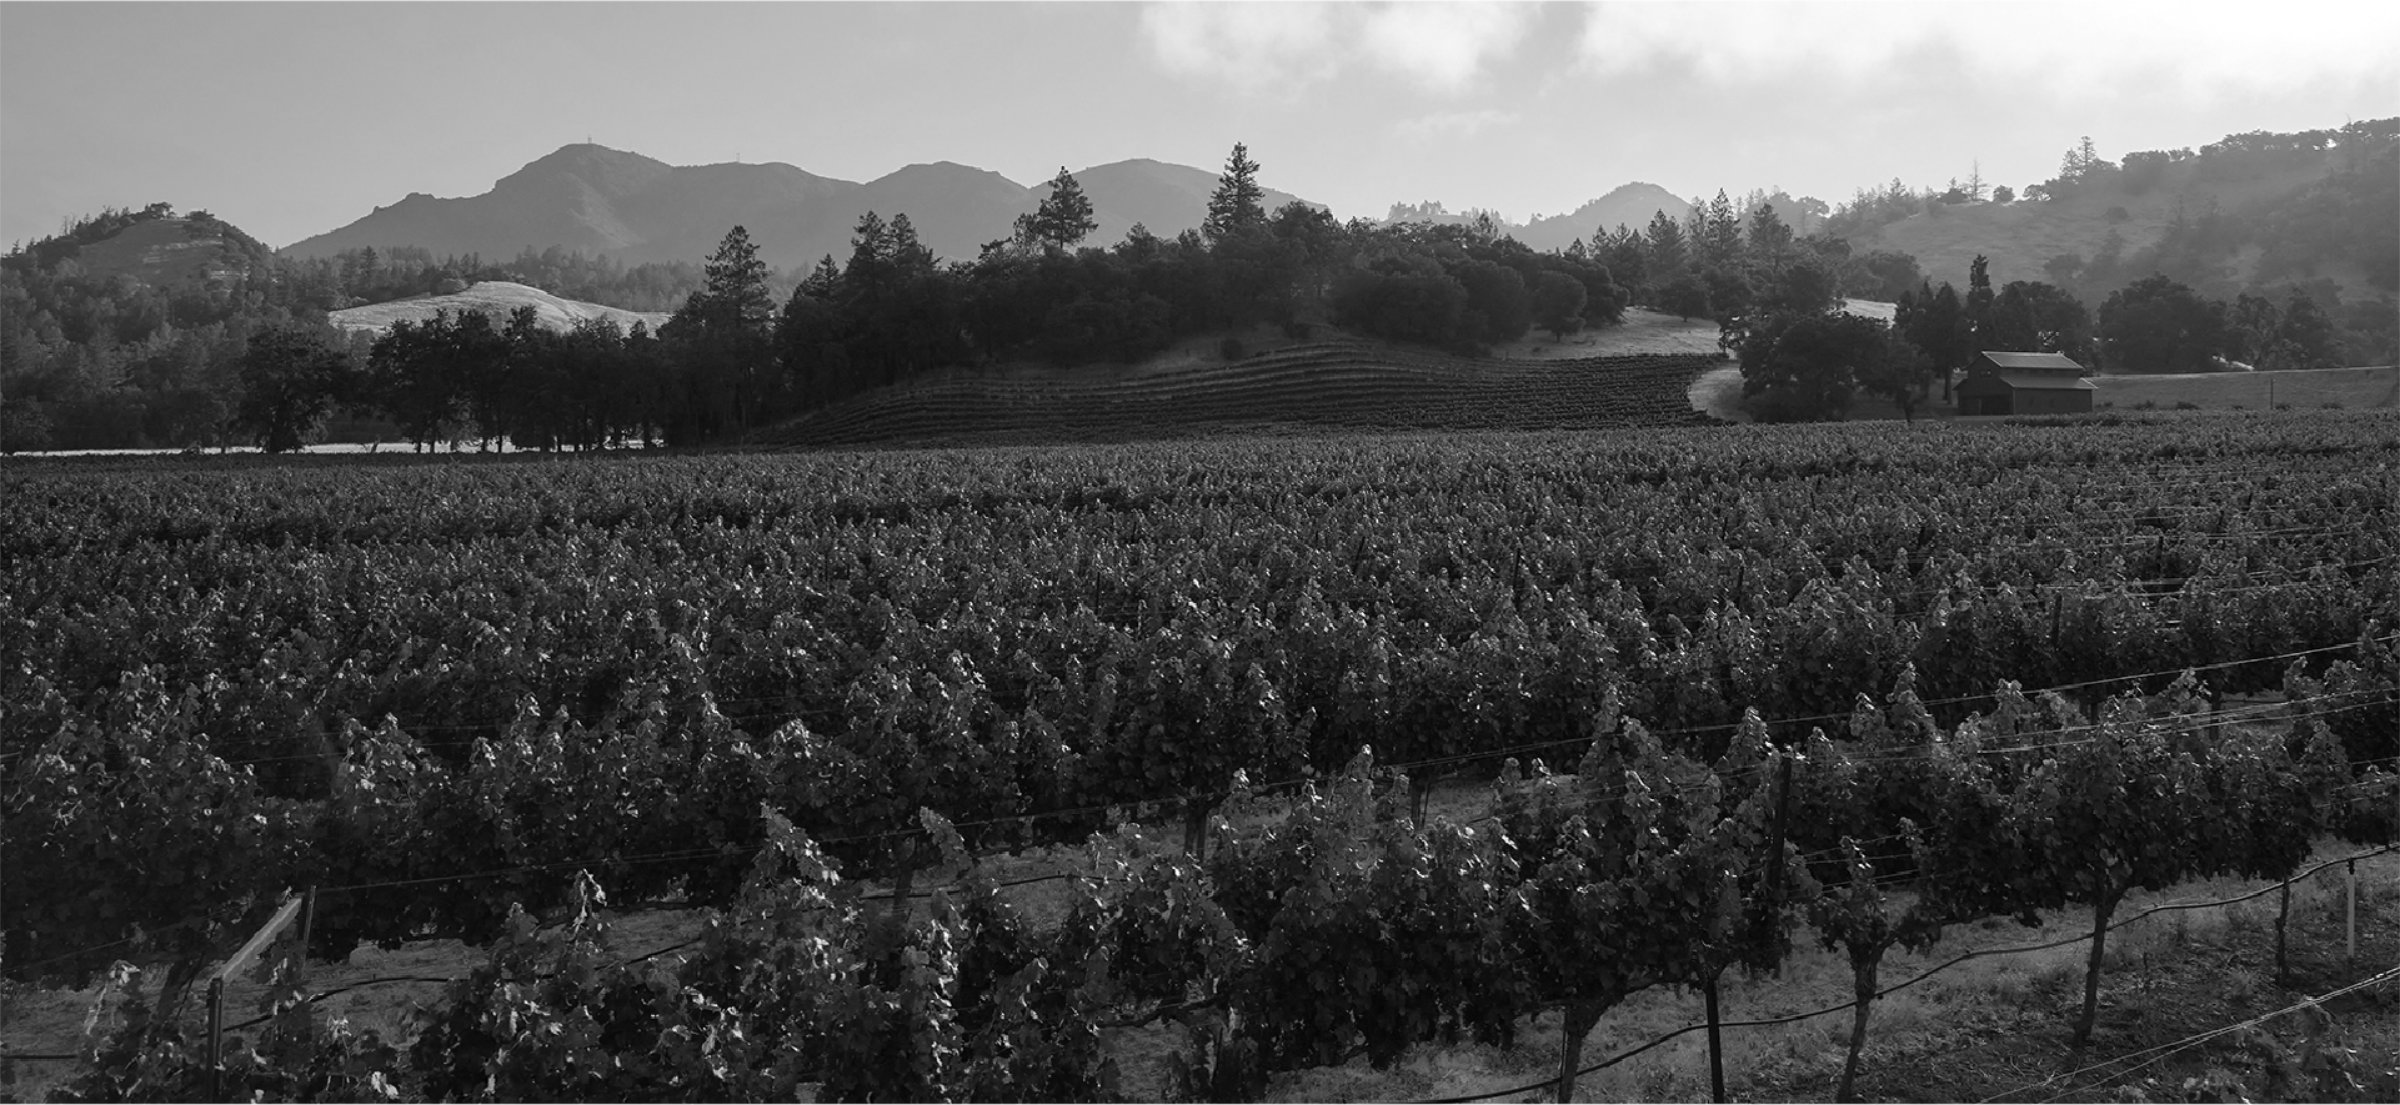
x,y
1883,274
1063,218
290,381
1802,287
2306,338
1498,307
1770,239
1622,252
1899,374
2158,325
1721,231
2002,193
1410,306
1558,304
1940,329
2031,316
1979,302
2250,328
734,286
1668,250
721,343
1808,366
1685,297
1238,202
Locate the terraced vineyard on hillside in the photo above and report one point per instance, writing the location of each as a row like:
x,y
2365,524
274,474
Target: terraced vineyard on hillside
x,y
1352,384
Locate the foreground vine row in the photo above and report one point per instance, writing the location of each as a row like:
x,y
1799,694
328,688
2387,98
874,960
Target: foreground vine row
x,y
1336,925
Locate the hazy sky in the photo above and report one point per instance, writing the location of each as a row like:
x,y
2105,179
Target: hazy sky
x,y
290,119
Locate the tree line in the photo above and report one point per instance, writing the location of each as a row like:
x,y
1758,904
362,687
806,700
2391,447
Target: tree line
x,y
93,359
744,349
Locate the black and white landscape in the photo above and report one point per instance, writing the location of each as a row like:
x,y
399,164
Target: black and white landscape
x,y
1114,552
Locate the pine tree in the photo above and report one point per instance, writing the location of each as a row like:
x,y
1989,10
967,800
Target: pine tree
x,y
1667,252
1770,238
1238,201
1064,217
734,286
1979,302
1723,243
904,250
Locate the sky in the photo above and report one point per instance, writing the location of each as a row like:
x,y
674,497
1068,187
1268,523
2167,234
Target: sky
x,y
289,119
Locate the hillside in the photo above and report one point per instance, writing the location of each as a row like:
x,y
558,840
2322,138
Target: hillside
x,y
2248,211
495,298
153,246
2020,237
1629,205
162,252
604,202
1195,392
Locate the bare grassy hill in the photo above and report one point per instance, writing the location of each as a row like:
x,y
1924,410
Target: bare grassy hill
x,y
496,298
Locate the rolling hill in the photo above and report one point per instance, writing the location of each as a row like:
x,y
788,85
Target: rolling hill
x,y
600,201
1339,384
2227,213
159,251
495,298
1629,205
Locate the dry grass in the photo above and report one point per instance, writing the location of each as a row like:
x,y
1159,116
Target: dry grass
x,y
2350,388
1643,331
495,299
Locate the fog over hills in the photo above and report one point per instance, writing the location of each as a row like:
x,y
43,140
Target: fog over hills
x,y
597,200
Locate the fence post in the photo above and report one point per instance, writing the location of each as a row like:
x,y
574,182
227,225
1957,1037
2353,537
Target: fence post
x,y
308,916
1716,1047
216,1039
2351,945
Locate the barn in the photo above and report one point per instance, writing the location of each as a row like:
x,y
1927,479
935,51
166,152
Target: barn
x,y
2024,383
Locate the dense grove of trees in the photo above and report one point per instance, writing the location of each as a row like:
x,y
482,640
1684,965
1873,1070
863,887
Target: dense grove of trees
x,y
1726,261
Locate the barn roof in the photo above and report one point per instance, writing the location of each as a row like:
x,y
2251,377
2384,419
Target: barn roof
x,y
2033,381
2053,362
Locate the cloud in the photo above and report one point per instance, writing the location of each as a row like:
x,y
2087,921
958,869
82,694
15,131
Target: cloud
x,y
2183,49
1441,47
1453,124
1251,46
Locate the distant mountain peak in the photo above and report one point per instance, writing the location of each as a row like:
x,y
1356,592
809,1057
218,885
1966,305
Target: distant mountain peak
x,y
593,199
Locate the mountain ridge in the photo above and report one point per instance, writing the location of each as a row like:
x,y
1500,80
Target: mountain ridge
x,y
597,200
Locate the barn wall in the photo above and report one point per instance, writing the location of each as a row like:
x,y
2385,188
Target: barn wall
x,y
2044,401
1982,395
